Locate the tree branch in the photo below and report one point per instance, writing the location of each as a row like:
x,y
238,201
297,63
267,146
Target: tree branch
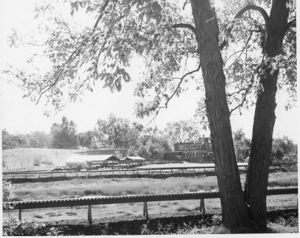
x,y
240,13
179,84
100,15
241,51
73,54
255,8
185,25
173,94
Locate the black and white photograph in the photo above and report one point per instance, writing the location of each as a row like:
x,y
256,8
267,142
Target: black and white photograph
x,y
149,117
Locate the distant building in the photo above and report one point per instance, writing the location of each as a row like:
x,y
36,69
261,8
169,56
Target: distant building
x,y
107,151
89,161
175,156
194,151
111,161
133,161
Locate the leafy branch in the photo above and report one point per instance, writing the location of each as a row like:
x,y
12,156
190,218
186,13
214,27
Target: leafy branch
x,y
174,93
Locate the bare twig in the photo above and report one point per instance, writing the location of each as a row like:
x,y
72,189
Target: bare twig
x,y
185,3
240,51
180,82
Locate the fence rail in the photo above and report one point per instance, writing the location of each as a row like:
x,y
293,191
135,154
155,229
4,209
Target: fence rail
x,y
100,173
22,205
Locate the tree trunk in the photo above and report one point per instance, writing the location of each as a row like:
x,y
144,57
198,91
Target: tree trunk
x,y
234,211
264,119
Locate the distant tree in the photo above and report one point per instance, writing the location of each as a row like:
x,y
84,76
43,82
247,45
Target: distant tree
x,y
8,141
182,131
39,139
242,145
86,139
117,132
153,147
64,135
283,147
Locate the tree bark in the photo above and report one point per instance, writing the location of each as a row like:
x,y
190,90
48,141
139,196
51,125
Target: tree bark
x,y
264,119
234,210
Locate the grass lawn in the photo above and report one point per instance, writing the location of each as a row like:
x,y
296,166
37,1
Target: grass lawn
x,y
125,186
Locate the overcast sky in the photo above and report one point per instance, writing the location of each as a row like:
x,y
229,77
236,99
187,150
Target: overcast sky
x,y
19,115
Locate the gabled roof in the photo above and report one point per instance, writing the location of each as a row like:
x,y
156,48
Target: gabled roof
x,y
134,158
80,158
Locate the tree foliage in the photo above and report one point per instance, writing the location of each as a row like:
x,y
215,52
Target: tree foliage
x,y
242,145
183,131
35,139
152,145
117,132
284,147
64,134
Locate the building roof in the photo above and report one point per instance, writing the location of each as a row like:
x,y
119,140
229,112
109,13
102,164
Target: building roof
x,y
134,158
79,158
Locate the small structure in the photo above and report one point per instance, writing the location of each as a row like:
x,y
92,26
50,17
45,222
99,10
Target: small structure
x,y
133,161
98,161
111,161
88,161
172,156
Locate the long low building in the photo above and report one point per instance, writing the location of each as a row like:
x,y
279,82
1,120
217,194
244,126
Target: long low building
x,y
88,160
133,160
103,160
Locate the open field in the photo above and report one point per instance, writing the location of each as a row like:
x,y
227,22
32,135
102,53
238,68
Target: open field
x,y
126,186
24,158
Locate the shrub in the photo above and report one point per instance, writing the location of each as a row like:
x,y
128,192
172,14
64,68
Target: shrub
x,y
37,161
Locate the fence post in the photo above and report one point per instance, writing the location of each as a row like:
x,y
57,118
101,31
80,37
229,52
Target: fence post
x,y
202,206
145,212
20,214
90,214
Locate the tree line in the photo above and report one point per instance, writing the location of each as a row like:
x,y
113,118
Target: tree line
x,y
151,143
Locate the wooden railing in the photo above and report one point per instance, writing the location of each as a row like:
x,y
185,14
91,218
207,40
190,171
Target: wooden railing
x,y
111,172
128,199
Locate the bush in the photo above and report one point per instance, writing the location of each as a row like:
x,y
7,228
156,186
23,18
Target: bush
x,y
37,161
47,162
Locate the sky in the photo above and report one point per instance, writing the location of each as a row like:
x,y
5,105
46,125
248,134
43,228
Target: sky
x,y
19,115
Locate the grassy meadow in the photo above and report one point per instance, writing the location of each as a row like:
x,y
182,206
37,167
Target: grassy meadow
x,y
33,158
128,186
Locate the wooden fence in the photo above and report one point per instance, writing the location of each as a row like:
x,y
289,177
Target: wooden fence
x,y
115,172
128,199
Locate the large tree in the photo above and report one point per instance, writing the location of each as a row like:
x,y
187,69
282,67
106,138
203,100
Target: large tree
x,y
64,134
167,39
117,132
